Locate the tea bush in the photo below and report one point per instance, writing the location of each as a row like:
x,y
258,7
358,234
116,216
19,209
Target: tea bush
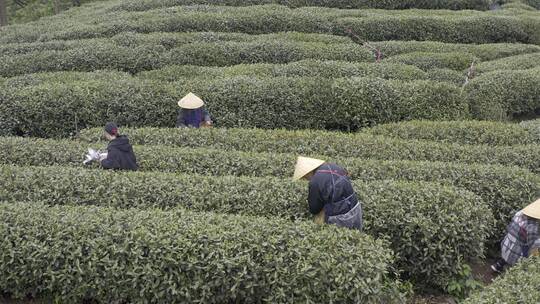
x,y
500,94
372,25
446,75
518,285
302,68
38,107
432,228
466,29
107,55
488,51
533,127
505,189
518,62
426,61
464,132
330,143
401,4
78,253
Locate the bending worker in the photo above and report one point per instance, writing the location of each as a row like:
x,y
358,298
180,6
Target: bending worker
x,y
192,113
522,239
331,196
119,151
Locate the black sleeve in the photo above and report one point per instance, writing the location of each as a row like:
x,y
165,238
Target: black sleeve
x,y
111,161
314,199
180,119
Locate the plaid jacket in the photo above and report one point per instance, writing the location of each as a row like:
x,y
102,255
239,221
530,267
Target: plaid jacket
x,y
522,233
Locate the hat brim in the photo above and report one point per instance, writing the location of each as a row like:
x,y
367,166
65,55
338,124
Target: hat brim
x,y
304,165
190,102
533,210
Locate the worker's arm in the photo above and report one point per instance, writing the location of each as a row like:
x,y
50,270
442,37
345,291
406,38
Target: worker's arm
x,y
206,115
315,201
180,119
110,161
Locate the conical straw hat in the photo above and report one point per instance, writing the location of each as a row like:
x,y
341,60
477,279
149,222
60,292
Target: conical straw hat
x,y
190,101
304,165
533,210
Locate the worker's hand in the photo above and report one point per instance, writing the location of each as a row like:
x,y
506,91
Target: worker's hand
x,y
206,124
102,156
534,252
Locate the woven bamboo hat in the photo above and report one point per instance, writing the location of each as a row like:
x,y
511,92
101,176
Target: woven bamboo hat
x,y
304,165
533,210
190,101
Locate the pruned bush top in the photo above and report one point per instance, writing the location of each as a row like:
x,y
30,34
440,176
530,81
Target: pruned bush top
x,y
501,94
76,253
388,4
505,189
432,228
465,132
372,25
59,104
331,144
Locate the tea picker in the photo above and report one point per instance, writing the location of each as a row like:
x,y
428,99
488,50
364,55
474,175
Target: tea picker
x,y
522,239
119,155
331,197
192,113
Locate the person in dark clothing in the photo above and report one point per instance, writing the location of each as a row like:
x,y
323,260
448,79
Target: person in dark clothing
x,y
119,151
331,196
192,113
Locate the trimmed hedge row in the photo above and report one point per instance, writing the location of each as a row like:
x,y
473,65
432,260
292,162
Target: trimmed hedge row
x,y
432,228
388,4
533,127
501,94
303,68
330,143
107,55
133,52
518,285
471,29
171,40
61,106
505,189
78,253
489,51
168,41
426,61
446,75
464,132
373,25
518,62
518,6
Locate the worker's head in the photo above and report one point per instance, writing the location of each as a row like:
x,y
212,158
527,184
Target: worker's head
x,y
111,131
190,102
533,210
305,167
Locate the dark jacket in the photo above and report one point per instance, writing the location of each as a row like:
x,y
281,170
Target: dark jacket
x,y
192,118
120,155
329,184
330,189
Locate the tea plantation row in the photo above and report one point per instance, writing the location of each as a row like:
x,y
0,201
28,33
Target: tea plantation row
x,y
75,253
419,219
388,4
373,25
330,143
135,53
504,189
52,105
